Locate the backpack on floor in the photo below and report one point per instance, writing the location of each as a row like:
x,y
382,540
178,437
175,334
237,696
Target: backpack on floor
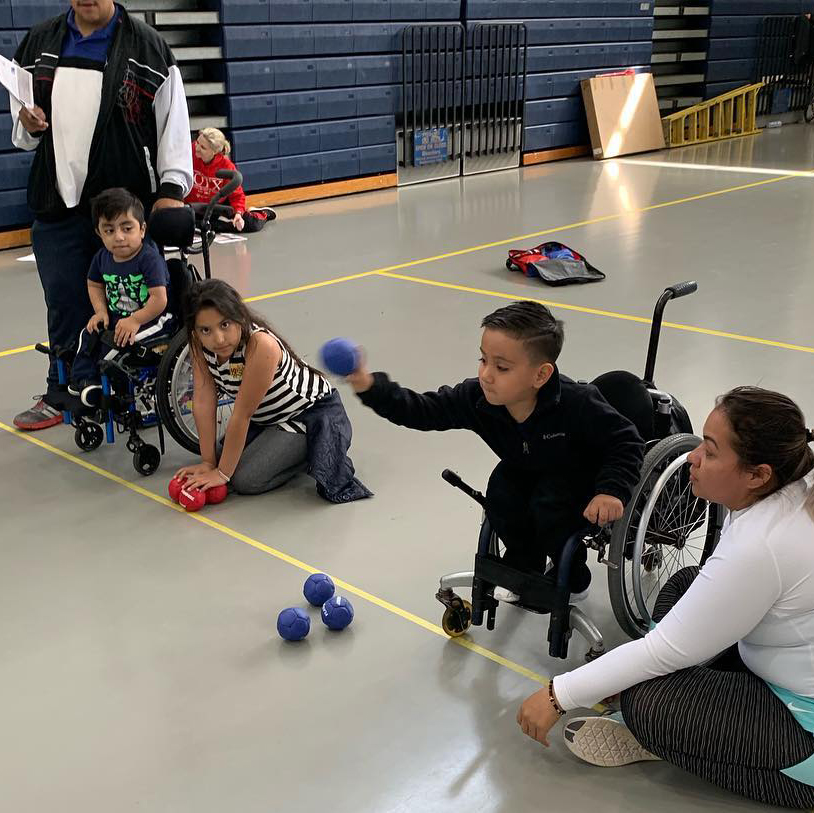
x,y
555,264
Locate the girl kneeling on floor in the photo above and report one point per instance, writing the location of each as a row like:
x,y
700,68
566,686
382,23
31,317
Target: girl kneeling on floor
x,y
286,418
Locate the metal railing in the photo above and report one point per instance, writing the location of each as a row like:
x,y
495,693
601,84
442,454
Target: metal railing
x,y
462,92
432,60
787,86
497,71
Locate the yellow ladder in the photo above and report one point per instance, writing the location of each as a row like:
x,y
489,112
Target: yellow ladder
x,y
726,116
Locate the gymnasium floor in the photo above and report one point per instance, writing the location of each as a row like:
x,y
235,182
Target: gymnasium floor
x,y
139,665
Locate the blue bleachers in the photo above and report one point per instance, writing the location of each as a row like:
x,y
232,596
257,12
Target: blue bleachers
x,y
531,9
298,170
577,31
561,83
731,69
267,76
734,31
9,42
740,48
551,136
14,167
14,209
570,57
25,13
741,26
274,142
551,111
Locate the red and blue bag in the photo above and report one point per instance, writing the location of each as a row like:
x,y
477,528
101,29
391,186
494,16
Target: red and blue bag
x,y
555,264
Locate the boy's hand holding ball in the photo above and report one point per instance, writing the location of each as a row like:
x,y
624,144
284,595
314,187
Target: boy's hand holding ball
x,y
343,357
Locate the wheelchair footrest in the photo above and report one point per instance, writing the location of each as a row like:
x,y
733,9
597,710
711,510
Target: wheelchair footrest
x,y
537,592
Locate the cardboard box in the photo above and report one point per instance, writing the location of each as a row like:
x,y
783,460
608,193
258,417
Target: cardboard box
x,y
623,114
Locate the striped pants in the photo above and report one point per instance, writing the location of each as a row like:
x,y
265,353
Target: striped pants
x,y
720,722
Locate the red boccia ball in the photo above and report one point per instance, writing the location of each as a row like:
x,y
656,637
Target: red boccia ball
x,y
193,499
216,494
174,488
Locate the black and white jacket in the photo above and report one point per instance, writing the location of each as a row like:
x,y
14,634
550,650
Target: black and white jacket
x,y
138,137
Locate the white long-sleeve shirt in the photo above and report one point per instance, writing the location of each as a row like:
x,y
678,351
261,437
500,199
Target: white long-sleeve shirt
x,y
757,589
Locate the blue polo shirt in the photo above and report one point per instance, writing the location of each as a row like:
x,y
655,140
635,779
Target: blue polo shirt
x,y
93,47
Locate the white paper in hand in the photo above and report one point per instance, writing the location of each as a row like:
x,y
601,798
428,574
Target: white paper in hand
x,y
17,81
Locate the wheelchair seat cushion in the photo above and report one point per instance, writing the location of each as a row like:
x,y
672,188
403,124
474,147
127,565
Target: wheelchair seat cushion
x,y
627,394
173,227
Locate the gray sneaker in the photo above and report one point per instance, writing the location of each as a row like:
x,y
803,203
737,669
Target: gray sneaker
x,y
604,741
40,416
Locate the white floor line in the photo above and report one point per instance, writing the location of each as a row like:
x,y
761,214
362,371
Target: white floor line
x,y
715,167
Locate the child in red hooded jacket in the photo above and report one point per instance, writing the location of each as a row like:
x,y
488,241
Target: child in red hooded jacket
x,y
210,152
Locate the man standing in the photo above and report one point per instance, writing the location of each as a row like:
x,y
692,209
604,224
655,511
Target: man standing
x,y
109,110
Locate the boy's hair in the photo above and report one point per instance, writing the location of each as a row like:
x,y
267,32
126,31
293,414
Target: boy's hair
x,y
114,202
532,324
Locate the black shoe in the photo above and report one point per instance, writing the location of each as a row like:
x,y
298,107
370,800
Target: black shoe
x,y
266,210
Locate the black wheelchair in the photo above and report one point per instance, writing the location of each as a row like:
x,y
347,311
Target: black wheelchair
x,y
136,380
664,527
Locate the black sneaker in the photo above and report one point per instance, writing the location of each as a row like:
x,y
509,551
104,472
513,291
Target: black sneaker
x,y
264,210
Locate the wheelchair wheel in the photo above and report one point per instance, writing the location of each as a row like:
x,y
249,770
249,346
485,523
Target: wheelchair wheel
x,y
173,399
664,529
146,459
88,436
456,622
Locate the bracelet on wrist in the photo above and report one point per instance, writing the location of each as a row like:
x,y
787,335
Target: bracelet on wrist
x,y
226,477
557,707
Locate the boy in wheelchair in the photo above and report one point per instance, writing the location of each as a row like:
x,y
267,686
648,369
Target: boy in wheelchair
x,y
128,285
566,455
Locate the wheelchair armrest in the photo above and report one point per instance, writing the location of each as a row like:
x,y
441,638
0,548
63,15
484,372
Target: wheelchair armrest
x,y
571,546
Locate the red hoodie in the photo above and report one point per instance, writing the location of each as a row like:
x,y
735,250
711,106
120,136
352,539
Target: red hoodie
x,y
205,184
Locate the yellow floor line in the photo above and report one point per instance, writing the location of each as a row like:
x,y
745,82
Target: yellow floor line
x,y
309,287
517,240
598,312
520,239
13,350
281,555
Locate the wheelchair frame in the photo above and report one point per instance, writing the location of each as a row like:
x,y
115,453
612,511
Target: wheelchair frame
x,y
549,594
139,364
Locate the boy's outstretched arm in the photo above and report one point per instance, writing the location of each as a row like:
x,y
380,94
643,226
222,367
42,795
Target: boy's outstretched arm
x,y
448,408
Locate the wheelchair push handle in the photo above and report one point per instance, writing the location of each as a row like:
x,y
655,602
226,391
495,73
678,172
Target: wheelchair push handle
x,y
233,179
683,289
454,480
672,292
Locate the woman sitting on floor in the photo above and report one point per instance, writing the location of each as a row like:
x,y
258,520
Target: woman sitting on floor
x,y
743,720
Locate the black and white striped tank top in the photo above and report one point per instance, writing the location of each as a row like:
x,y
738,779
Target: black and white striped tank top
x,y
294,388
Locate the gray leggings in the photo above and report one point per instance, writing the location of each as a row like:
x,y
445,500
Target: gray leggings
x,y
270,459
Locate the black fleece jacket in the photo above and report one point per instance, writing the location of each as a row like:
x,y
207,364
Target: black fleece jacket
x,y
574,437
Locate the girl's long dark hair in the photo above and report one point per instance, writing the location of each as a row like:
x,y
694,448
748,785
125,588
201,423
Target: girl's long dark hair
x,y
217,294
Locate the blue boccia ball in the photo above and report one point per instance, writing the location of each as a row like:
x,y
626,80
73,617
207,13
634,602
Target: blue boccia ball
x,y
293,624
319,587
340,356
337,613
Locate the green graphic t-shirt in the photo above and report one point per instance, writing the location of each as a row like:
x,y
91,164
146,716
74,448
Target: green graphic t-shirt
x,y
127,284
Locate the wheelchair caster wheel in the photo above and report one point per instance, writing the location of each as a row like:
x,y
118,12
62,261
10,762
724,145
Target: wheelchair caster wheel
x,y
457,622
88,436
146,459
